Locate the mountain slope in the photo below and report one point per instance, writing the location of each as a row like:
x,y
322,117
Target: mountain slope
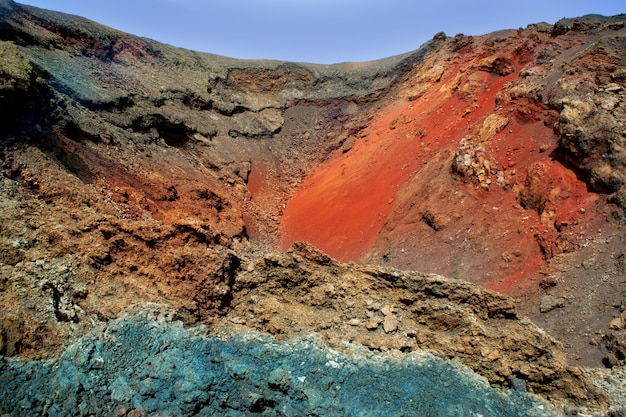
x,y
479,151
497,159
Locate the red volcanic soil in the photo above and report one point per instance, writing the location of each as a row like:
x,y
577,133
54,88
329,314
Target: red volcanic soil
x,y
395,196
342,206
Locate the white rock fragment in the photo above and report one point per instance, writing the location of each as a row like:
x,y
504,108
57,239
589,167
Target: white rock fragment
x,y
390,324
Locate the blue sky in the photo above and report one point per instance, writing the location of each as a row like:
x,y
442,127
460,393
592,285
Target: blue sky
x,y
319,31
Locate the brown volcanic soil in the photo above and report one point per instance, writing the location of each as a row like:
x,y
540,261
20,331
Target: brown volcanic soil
x,y
304,292
135,172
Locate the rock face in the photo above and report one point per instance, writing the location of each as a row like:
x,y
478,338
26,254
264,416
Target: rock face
x,y
134,172
522,129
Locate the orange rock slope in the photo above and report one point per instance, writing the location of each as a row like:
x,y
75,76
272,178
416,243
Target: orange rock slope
x,y
461,172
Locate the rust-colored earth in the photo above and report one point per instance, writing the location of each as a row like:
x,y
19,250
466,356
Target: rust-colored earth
x,y
399,172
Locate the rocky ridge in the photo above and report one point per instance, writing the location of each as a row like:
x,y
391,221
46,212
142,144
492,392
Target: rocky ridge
x,y
135,172
246,374
304,292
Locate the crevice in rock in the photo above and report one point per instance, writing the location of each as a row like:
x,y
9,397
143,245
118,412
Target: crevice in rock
x,y
175,134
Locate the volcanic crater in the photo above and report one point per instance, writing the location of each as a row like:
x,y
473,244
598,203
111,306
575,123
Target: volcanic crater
x,y
135,175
